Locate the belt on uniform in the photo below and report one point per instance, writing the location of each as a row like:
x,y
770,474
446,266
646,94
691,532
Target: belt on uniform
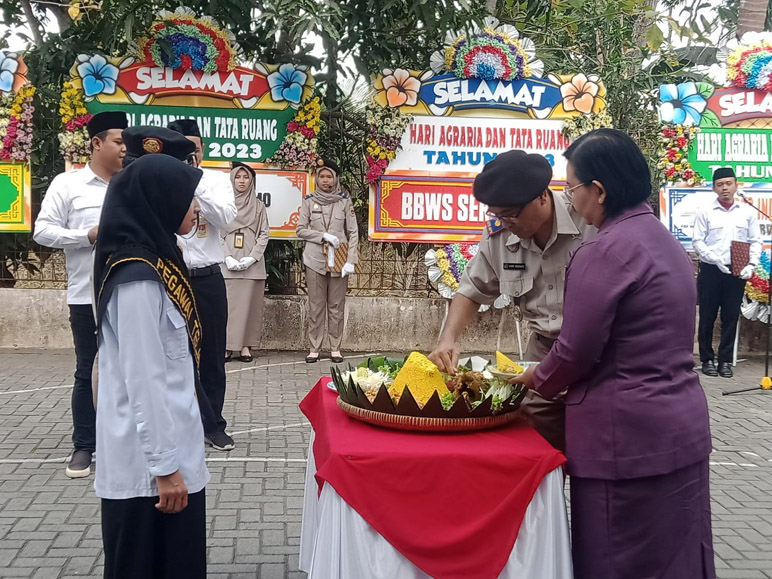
x,y
544,339
204,271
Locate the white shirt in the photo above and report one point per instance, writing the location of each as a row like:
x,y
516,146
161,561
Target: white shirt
x,y
71,207
715,227
148,423
218,209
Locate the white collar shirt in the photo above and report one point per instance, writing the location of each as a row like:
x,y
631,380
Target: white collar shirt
x,y
218,209
147,418
715,227
71,207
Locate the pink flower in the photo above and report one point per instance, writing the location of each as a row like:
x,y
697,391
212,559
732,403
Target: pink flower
x,y
292,126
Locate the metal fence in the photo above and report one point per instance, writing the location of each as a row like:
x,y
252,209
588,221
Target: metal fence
x,y
386,269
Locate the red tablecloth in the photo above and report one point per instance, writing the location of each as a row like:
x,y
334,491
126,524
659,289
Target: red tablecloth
x,y
450,503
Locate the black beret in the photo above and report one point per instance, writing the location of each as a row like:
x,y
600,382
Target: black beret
x,y
237,165
512,179
143,140
321,163
105,121
187,127
723,173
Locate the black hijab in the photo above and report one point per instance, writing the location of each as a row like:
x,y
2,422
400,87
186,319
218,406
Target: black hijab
x,y
144,207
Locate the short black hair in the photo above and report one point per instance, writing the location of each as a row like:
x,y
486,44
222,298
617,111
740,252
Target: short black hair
x,y
611,157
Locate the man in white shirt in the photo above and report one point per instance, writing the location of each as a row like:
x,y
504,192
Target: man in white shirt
x,y
715,227
68,220
203,255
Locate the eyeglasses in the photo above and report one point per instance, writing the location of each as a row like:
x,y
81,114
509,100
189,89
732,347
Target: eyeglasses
x,y
505,216
191,159
569,191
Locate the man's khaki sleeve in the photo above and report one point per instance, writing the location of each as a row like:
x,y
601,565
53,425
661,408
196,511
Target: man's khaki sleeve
x,y
480,280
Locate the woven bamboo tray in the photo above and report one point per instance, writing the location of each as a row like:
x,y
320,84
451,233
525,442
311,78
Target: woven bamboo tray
x,y
426,424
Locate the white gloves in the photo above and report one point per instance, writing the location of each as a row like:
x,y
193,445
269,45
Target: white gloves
x,y
247,262
724,269
331,239
348,269
232,264
747,272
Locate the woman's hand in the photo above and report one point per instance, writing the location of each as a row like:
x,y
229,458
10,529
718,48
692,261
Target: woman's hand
x,y
526,378
347,269
331,239
247,262
231,263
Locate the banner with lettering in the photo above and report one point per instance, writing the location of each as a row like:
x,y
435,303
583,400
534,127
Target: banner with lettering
x,y
16,110
707,127
187,67
432,131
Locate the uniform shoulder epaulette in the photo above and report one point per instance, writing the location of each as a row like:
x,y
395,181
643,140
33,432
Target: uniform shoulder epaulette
x,y
309,196
343,195
494,227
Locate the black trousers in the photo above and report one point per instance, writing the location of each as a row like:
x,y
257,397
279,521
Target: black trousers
x,y
83,413
212,305
141,542
717,290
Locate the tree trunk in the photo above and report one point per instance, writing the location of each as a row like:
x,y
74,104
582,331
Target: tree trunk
x,y
331,49
32,21
752,16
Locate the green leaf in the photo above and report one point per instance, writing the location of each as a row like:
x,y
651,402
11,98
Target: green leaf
x,y
654,37
705,89
710,120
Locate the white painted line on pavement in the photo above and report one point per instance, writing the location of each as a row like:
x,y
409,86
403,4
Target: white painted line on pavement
x,y
260,367
265,428
255,459
743,464
35,389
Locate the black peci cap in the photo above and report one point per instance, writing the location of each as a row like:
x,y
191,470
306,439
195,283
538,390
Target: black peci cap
x,y
186,127
105,121
723,173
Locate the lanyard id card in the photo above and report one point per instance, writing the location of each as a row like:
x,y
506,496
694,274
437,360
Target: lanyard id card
x,y
238,240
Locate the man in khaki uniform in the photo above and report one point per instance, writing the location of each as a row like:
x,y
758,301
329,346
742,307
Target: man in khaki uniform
x,y
524,255
326,220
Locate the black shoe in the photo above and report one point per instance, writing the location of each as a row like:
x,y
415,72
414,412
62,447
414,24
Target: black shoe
x,y
312,359
247,358
79,465
725,370
709,369
336,359
219,441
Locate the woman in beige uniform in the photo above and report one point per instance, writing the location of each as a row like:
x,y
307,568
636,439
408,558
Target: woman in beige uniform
x,y
326,220
244,242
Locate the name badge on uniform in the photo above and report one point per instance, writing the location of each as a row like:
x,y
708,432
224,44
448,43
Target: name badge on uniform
x,y
203,230
238,240
514,266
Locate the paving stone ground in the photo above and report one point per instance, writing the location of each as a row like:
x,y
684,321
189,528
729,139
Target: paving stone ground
x,y
49,524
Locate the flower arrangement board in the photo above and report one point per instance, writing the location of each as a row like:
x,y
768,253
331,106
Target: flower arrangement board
x,y
433,130
187,66
724,126
16,110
